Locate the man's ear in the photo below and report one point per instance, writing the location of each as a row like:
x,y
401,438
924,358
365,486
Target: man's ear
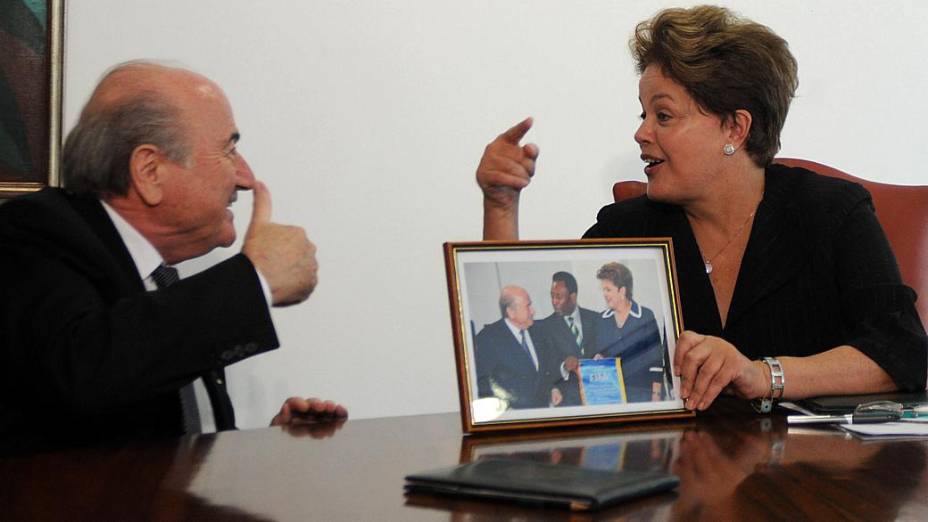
x,y
739,128
145,171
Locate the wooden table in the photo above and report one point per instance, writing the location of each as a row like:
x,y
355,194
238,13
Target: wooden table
x,y
733,465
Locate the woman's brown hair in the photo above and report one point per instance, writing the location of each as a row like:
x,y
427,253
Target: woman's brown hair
x,y
619,275
726,63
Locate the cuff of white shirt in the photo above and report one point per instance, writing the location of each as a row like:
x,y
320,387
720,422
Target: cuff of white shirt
x,y
564,373
266,288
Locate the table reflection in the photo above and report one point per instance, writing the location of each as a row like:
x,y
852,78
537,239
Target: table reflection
x,y
745,470
732,464
752,473
639,451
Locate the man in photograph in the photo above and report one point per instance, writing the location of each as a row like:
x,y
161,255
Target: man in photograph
x,y
572,331
515,362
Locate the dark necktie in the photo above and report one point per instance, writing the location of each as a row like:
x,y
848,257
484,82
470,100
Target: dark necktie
x,y
165,276
525,347
575,330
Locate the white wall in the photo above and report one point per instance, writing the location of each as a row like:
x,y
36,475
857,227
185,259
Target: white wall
x,y
367,118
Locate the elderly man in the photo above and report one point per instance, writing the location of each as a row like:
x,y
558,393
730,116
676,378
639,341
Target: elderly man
x,y
514,361
99,340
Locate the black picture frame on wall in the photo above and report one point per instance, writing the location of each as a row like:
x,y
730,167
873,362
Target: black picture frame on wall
x,y
31,61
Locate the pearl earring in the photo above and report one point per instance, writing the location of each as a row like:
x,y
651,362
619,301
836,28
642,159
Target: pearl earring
x,y
728,149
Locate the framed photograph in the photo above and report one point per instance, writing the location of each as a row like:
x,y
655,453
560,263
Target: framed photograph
x,y
557,333
31,34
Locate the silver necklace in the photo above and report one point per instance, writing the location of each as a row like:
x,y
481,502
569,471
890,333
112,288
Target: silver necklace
x,y
707,261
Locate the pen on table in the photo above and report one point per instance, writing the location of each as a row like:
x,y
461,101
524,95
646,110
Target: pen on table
x,y
859,417
918,412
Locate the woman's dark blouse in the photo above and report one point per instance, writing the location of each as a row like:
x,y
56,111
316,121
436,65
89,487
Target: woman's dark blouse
x,y
817,273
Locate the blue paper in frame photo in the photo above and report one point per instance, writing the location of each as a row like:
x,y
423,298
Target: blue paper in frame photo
x,y
601,381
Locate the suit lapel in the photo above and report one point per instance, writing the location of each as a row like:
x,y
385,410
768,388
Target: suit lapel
x,y
517,348
92,212
559,326
588,320
776,249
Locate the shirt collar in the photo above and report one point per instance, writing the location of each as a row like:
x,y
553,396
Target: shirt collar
x,y
635,311
516,331
575,314
143,253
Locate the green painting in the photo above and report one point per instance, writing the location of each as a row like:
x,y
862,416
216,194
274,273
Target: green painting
x,y
30,67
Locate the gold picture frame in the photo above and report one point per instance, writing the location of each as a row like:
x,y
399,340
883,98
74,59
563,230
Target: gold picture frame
x,y
513,346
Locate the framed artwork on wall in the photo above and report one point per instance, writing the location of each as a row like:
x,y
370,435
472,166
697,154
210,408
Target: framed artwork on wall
x,y
560,333
31,58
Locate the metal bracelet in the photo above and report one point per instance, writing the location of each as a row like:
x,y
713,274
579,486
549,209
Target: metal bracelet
x,y
777,385
777,379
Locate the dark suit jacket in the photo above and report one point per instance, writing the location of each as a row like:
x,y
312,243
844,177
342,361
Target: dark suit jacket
x,y
86,354
560,336
563,338
501,361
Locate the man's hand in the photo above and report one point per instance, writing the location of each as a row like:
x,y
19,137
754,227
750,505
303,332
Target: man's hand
x,y
314,430
504,170
297,410
708,365
572,364
281,253
556,397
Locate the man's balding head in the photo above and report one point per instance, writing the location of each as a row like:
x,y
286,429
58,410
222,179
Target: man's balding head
x,y
135,103
159,145
516,305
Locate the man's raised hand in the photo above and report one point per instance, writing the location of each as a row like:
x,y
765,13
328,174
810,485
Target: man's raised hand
x,y
281,253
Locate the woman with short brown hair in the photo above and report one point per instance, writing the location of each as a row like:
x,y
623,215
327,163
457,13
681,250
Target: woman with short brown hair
x,y
788,286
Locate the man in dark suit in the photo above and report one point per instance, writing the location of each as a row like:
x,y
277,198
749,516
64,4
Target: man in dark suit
x,y
572,331
99,340
514,362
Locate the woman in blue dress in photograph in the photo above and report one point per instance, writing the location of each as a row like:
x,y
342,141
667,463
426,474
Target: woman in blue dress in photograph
x,y
629,331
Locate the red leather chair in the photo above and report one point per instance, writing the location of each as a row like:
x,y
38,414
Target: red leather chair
x,y
902,211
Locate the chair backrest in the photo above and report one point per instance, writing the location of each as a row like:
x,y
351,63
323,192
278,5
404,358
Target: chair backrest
x,y
623,190
902,211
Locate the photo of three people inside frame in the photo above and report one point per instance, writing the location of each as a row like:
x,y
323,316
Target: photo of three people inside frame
x,y
548,362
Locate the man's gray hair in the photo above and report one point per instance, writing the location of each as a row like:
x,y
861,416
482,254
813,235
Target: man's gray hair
x,y
506,300
97,152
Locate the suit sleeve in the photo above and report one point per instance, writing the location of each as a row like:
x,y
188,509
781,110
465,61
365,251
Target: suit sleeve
x,y
484,355
881,319
74,346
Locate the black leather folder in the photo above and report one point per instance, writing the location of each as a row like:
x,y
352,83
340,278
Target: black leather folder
x,y
534,482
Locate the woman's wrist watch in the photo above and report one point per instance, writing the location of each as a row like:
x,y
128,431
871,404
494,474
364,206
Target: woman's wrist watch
x,y
777,383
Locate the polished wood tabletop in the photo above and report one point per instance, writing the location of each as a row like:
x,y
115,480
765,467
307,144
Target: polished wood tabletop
x,y
733,465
